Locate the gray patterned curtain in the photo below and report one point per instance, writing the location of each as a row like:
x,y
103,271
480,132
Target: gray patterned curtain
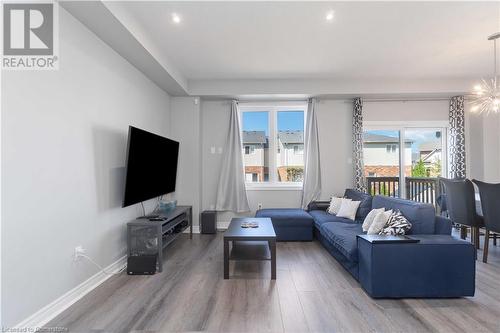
x,y
357,133
457,137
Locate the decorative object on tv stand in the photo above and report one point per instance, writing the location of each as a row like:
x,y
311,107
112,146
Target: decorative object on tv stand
x,y
486,95
165,207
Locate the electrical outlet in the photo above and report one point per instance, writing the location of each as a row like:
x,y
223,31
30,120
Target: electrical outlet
x,y
79,250
259,205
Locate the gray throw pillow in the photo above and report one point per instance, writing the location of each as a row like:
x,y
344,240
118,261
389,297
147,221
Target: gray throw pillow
x,y
397,224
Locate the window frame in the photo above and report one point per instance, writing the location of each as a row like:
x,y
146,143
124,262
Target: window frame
x,y
272,108
402,127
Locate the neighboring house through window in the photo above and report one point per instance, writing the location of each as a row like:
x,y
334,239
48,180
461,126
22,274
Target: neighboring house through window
x,y
249,150
273,142
398,156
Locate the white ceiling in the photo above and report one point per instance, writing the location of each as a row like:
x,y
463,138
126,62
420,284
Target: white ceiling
x,y
293,40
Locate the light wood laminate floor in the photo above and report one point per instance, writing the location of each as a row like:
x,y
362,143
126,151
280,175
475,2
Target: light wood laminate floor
x,y
312,293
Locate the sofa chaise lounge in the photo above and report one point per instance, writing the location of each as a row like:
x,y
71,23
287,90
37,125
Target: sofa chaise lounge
x,y
439,265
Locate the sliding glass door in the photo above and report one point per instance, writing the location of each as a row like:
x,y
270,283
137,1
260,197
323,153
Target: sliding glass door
x,y
427,163
405,161
381,153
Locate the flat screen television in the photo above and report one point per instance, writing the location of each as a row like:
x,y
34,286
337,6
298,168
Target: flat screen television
x,y
151,166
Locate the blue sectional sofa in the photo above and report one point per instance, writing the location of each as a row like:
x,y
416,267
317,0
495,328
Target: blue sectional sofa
x,y
289,224
437,266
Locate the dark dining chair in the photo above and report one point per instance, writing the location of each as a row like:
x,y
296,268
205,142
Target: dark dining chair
x,y
461,206
490,205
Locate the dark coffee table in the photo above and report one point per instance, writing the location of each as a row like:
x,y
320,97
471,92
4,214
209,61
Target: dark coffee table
x,y
250,243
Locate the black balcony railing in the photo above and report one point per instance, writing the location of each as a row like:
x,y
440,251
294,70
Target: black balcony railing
x,y
422,189
417,188
383,186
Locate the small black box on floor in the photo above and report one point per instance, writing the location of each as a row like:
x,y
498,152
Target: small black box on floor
x,y
209,222
142,265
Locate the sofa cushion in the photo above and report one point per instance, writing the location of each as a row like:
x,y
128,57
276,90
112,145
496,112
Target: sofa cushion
x,y
348,209
343,237
287,217
366,202
421,216
320,217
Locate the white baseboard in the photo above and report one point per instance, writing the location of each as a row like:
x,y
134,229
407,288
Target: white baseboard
x,y
50,311
196,230
221,225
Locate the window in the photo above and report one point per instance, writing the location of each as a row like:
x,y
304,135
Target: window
x,y
298,149
274,135
391,148
249,150
404,161
381,159
256,145
251,177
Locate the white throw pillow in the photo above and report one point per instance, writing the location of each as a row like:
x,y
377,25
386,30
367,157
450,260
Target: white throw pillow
x,y
370,218
348,209
379,222
335,204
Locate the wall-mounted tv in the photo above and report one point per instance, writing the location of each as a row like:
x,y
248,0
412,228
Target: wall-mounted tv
x,y
151,166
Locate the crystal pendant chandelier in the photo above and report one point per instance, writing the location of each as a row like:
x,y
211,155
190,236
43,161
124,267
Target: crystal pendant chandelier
x,y
486,95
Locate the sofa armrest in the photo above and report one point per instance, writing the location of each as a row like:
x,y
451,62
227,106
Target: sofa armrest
x,y
436,266
318,205
442,226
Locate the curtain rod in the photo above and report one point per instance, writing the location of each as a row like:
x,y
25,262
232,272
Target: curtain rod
x,y
423,99
379,100
375,100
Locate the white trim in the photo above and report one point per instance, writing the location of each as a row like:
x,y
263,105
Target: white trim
x,y
273,187
299,105
53,309
223,225
196,230
220,226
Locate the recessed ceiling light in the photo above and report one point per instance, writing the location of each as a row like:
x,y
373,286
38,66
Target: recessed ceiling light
x,y
330,15
176,18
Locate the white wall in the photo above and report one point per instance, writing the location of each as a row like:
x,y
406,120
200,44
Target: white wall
x,y
405,111
185,128
475,145
335,136
63,150
334,121
491,147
